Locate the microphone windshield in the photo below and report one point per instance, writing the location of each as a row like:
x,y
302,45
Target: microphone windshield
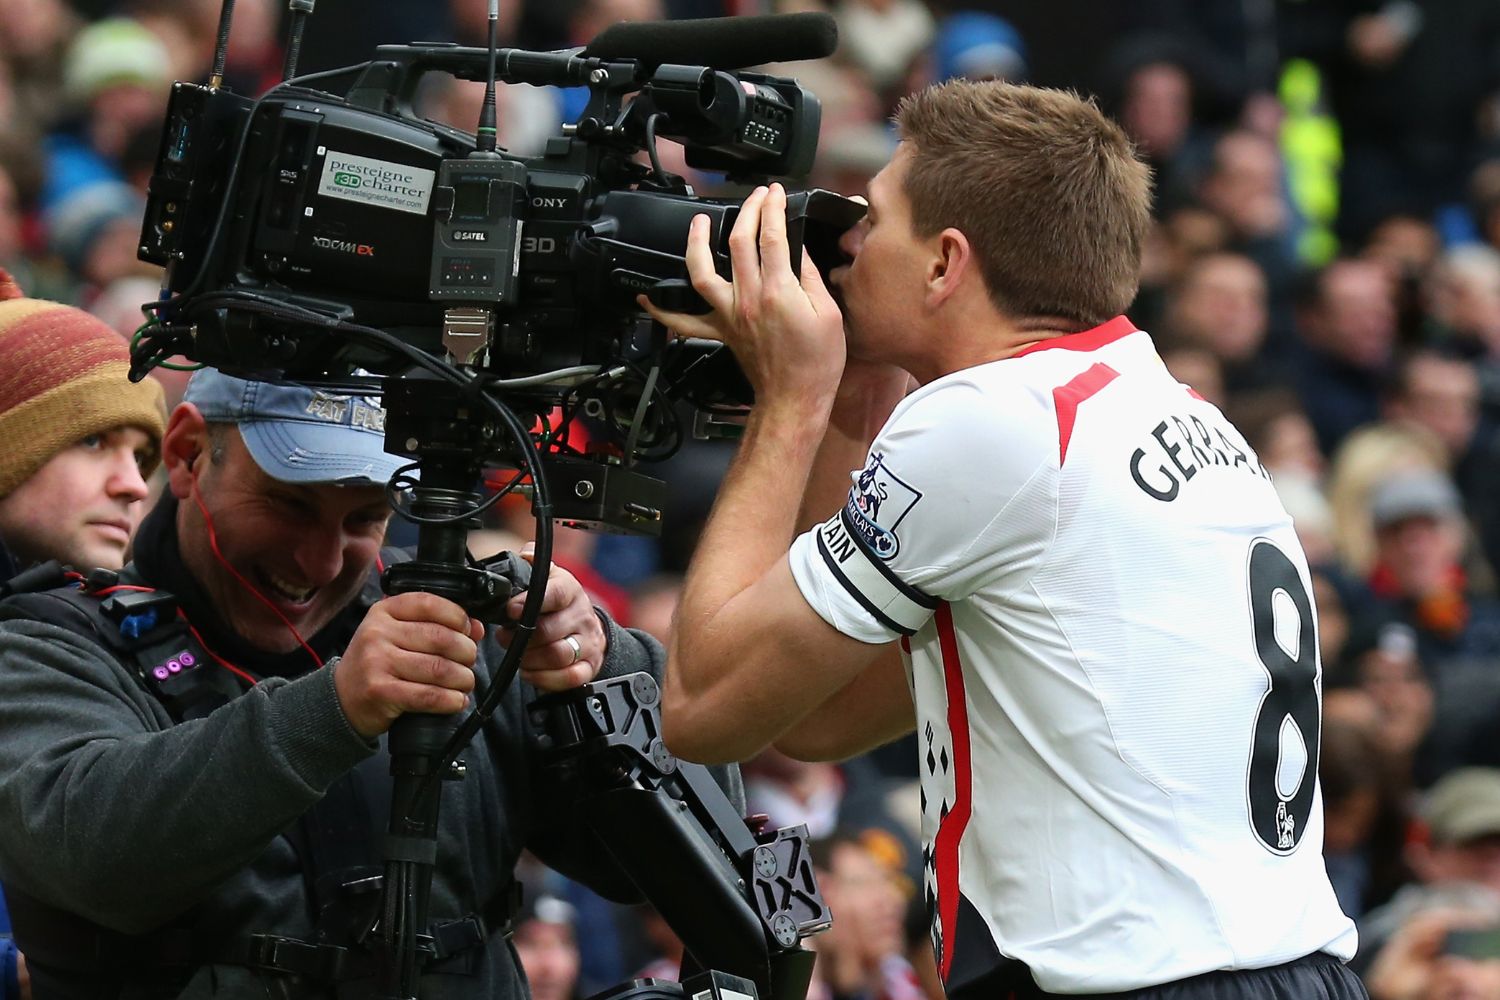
x,y
720,42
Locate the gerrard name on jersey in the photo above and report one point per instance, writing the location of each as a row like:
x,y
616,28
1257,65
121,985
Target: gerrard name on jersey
x,y
1188,445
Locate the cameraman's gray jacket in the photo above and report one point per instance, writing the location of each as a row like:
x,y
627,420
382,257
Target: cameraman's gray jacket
x,y
111,812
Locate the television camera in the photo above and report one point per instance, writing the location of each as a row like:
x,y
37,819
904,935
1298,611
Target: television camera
x,y
325,233
288,220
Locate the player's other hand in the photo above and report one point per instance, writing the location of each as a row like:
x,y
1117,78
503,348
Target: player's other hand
x,y
786,331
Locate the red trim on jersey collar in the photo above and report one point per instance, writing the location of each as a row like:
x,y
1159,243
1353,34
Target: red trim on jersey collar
x,y
1088,340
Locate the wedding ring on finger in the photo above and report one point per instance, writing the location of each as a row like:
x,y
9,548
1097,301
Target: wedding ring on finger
x,y
572,640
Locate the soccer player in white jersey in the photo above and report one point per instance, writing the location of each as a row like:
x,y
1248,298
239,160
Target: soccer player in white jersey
x,y
1065,569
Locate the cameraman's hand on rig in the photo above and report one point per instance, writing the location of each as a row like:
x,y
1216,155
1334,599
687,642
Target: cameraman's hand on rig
x,y
568,646
412,653
785,329
415,652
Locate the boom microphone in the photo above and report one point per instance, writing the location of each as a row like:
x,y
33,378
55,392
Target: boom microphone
x,y
720,42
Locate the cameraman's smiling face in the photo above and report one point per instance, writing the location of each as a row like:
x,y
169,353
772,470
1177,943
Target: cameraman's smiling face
x,y
305,549
880,292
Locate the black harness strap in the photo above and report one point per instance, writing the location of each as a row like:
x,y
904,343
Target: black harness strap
x,y
336,842
34,579
450,946
143,628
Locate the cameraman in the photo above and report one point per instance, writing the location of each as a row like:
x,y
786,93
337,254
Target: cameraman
x,y
156,813
1081,569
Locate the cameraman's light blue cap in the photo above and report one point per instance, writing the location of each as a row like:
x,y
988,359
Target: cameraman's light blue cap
x,y
297,434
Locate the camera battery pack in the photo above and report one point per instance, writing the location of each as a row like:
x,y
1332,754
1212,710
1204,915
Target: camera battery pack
x,y
476,250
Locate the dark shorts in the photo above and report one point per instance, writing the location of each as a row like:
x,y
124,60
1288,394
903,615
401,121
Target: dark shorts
x,y
1314,977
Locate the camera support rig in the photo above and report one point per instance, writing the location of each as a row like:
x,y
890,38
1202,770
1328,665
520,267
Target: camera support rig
x,y
437,423
740,900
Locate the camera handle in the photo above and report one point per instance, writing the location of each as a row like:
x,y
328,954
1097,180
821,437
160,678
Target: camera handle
x,y
389,83
741,900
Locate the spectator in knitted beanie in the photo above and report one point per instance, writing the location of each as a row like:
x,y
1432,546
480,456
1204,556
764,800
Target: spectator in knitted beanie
x,y
77,437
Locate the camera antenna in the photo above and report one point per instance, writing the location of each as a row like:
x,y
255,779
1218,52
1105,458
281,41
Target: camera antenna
x,y
484,133
221,46
300,11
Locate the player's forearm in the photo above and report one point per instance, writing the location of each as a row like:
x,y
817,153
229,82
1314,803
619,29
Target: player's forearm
x,y
754,517
870,711
867,395
752,524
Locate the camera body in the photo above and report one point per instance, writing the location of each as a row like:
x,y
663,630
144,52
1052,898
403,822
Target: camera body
x,y
356,208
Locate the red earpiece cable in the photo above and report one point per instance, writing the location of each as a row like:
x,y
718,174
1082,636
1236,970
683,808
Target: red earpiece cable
x,y
213,543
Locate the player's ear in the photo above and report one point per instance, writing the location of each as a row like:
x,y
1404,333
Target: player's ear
x,y
950,265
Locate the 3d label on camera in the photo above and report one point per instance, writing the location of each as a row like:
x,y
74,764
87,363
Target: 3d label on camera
x,y
376,182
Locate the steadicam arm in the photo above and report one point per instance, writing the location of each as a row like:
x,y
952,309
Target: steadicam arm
x,y
741,901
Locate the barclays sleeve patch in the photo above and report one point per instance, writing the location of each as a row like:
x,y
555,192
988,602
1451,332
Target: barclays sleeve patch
x,y
878,502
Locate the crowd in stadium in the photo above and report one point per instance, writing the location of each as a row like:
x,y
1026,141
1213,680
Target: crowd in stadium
x,y
1323,265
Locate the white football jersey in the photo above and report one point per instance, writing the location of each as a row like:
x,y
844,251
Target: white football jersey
x,y
1109,633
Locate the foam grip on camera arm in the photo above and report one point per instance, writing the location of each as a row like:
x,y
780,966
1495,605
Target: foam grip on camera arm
x,y
720,42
